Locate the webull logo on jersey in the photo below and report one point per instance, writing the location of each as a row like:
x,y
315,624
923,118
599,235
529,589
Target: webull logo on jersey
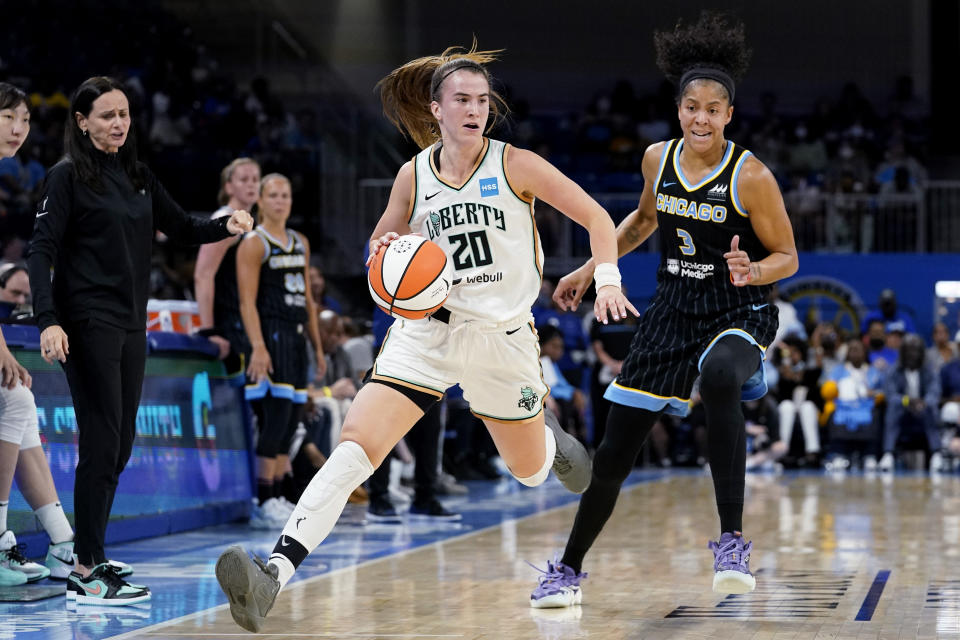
x,y
489,187
697,270
464,213
718,192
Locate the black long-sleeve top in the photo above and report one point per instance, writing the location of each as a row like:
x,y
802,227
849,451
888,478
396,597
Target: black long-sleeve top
x,y
99,244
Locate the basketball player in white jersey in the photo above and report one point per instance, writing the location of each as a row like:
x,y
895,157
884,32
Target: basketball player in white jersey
x,y
474,197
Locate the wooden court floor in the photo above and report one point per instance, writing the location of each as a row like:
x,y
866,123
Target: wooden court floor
x,y
835,557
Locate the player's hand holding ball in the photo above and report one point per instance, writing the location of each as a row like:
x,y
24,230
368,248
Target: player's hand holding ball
x,y
410,277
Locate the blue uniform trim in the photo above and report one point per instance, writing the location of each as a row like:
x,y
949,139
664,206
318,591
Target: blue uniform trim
x,y
713,174
734,191
645,400
756,386
276,389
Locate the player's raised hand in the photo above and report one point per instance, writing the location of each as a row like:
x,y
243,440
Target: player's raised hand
x,y
738,262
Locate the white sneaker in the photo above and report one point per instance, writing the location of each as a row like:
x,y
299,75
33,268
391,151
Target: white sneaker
x,y
286,504
936,462
270,515
869,463
886,462
60,560
837,464
123,569
11,557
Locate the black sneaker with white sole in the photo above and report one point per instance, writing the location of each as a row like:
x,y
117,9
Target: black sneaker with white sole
x,y
433,510
572,462
104,587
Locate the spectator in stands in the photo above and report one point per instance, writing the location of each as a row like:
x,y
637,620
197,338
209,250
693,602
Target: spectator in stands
x,y
570,325
879,353
943,350
14,288
318,285
215,272
796,381
764,444
358,343
610,344
912,390
950,409
566,401
893,319
851,391
94,229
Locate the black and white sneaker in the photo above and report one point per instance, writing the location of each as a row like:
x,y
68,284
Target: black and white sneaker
x,y
433,510
104,587
572,462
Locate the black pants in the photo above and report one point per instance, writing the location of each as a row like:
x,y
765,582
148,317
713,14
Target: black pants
x,y
105,372
424,441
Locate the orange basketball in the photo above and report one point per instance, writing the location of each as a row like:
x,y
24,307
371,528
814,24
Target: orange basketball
x,y
410,278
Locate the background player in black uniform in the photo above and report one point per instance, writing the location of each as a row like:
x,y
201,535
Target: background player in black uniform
x,y
215,274
718,209
277,307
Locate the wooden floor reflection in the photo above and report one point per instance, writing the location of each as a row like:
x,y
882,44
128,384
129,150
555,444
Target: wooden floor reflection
x,y
835,557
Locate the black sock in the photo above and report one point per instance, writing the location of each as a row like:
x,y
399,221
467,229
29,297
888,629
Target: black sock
x,y
278,488
627,428
727,366
264,490
289,488
731,516
291,550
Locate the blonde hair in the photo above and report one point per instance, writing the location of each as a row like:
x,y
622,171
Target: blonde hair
x,y
407,92
226,174
273,176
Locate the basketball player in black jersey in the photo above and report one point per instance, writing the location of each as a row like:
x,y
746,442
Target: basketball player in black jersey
x,y
724,239
277,308
215,273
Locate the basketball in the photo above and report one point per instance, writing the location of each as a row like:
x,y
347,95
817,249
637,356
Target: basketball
x,y
410,278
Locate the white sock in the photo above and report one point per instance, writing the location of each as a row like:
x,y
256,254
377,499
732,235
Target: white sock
x,y
54,522
284,567
4,505
323,501
551,451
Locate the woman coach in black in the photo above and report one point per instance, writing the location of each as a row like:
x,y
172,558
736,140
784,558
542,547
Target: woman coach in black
x,y
94,229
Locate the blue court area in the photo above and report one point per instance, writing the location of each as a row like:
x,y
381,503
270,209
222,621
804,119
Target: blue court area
x,y
179,568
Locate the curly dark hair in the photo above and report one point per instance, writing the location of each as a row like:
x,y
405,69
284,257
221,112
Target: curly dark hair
x,y
711,42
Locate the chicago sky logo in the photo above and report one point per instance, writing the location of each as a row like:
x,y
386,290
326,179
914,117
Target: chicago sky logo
x,y
718,192
489,187
673,266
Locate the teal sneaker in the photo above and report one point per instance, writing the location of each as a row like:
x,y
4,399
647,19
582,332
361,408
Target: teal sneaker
x,y
11,557
104,587
11,578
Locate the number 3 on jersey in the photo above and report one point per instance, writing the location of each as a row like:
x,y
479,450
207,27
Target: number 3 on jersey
x,y
687,247
475,245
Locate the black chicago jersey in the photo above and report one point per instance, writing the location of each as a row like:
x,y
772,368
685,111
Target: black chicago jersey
x,y
282,291
697,223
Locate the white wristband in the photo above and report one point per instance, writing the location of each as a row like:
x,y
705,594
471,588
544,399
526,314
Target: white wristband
x,y
606,275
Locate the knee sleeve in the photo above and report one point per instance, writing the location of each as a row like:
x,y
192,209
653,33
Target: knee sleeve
x,y
18,417
551,451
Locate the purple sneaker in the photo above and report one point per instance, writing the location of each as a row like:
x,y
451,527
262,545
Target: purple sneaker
x,y
731,564
559,586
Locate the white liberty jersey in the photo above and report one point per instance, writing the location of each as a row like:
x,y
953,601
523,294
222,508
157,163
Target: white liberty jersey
x,y
487,231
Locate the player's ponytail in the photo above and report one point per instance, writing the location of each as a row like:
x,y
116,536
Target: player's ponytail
x,y
407,92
